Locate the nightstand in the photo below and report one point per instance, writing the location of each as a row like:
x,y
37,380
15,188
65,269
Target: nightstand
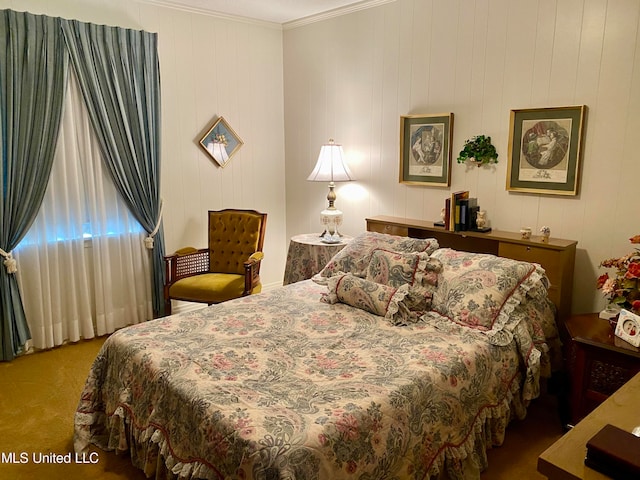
x,y
308,254
599,362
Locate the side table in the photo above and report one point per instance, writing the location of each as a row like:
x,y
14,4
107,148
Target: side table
x,y
308,254
599,362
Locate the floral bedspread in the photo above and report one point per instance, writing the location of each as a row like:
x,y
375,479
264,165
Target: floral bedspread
x,y
282,386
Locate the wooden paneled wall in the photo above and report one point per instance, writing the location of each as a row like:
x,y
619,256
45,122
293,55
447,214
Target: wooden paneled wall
x,y
351,77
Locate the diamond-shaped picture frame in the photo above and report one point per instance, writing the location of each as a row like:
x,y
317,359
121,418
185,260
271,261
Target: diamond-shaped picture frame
x,y
221,142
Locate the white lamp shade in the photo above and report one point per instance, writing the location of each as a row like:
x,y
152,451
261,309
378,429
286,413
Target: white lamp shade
x,y
331,166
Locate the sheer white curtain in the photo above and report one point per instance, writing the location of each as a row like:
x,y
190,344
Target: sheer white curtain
x,y
83,269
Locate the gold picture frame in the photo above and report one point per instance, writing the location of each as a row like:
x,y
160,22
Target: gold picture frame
x,y
425,149
221,142
545,150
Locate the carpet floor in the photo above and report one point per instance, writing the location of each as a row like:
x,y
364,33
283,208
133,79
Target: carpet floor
x,y
39,394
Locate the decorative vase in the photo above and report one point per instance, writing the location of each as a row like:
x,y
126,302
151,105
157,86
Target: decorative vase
x,y
525,233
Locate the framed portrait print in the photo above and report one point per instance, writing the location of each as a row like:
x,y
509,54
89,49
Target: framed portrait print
x,y
545,149
425,149
221,142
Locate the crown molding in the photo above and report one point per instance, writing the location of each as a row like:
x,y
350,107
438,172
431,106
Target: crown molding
x,y
211,13
336,12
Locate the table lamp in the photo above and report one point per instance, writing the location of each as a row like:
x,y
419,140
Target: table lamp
x,y
331,168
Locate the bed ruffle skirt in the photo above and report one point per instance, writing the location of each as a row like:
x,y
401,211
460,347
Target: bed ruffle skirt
x,y
151,452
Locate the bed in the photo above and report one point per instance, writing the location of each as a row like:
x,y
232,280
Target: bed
x,y
399,360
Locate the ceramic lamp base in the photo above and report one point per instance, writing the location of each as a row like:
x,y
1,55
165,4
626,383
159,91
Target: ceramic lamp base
x,y
331,219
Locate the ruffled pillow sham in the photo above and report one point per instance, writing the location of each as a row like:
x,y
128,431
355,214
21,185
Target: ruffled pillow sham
x,y
356,256
418,270
481,290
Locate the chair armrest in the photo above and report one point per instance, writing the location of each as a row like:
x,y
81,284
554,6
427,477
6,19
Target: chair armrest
x,y
185,263
256,257
252,272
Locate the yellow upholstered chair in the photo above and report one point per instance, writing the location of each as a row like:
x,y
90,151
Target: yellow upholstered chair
x,y
228,268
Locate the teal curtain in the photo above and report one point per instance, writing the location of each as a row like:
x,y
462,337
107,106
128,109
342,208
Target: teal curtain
x,y
118,72
33,66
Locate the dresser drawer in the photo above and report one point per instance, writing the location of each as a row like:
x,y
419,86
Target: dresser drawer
x,y
550,260
388,229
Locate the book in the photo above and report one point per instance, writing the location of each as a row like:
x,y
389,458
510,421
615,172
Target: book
x,y
466,206
614,452
472,215
454,216
447,213
473,204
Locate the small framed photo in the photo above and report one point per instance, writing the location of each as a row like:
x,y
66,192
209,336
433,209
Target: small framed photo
x,y
425,149
628,327
221,142
545,149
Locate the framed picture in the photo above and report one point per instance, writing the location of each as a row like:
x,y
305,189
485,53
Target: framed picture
x,y
545,148
628,327
425,149
221,142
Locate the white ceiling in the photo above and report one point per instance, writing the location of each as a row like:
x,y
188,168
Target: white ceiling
x,y
278,11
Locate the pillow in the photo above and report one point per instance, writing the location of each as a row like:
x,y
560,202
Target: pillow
x,y
355,257
382,300
477,289
418,270
394,268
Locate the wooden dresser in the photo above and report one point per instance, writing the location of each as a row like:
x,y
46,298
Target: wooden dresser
x,y
557,256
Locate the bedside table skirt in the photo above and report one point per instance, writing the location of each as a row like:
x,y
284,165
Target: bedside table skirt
x,y
307,255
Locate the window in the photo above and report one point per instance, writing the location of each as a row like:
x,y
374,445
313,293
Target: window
x,y
83,269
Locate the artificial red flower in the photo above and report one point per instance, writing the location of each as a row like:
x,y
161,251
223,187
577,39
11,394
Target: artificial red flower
x,y
623,289
633,271
601,280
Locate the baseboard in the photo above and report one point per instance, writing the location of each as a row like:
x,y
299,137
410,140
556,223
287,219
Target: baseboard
x,y
270,286
179,306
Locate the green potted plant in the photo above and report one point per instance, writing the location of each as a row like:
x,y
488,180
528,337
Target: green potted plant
x,y
478,150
